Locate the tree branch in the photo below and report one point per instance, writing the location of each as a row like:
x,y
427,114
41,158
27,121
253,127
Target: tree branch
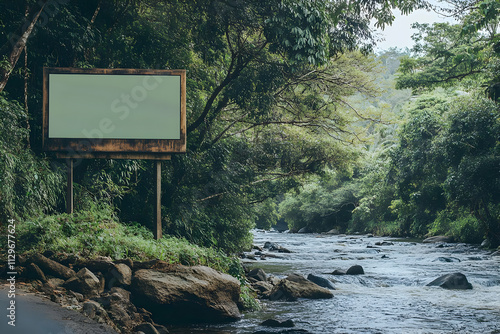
x,y
18,47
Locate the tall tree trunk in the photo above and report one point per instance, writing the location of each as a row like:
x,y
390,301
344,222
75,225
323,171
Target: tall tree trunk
x,y
26,92
89,27
14,52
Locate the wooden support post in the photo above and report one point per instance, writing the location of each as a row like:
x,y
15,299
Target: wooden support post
x,y
69,187
157,226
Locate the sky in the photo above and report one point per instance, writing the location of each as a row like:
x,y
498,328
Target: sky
x,y
399,34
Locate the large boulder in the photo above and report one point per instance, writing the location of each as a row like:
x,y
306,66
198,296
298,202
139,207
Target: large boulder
x,y
95,311
276,323
296,286
85,282
101,264
120,274
452,281
120,310
33,271
438,238
263,288
321,281
187,294
258,274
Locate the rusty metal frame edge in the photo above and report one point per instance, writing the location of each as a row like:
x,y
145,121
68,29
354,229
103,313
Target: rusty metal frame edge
x,y
155,149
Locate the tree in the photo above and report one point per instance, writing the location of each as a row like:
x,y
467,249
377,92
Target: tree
x,y
12,49
417,167
472,145
467,53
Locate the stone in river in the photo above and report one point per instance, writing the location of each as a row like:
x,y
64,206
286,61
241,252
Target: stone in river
x,y
275,323
187,294
384,243
296,286
323,282
355,270
338,272
258,273
447,259
452,281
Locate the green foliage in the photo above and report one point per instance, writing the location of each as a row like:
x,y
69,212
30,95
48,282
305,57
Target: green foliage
x,y
465,54
249,299
471,143
96,233
459,224
321,205
28,185
417,165
267,214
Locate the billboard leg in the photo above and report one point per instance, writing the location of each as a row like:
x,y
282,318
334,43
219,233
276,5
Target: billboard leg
x,y
157,224
69,187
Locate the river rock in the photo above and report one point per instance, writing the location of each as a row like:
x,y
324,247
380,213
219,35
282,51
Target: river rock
x,y
384,243
438,238
273,280
263,288
182,294
51,267
286,331
94,310
258,274
269,245
296,286
338,272
85,282
101,264
284,250
146,328
333,231
447,259
452,281
120,310
275,323
305,229
121,274
34,272
323,282
355,270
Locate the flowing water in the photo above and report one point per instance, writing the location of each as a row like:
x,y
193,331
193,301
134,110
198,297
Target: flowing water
x,y
390,298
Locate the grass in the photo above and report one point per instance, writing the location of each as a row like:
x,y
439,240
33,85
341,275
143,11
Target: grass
x,y
91,234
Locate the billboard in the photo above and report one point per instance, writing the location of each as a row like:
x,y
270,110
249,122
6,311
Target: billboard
x,y
114,113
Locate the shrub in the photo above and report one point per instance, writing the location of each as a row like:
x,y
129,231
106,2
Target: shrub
x,y
28,185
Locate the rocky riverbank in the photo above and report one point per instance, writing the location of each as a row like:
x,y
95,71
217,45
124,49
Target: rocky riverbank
x,y
133,296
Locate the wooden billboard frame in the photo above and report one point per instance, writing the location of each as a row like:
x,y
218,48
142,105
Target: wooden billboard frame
x,y
94,148
116,148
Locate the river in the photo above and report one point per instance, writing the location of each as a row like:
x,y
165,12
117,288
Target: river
x,y
390,298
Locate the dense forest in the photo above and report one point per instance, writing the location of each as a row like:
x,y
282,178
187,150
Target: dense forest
x,y
291,117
